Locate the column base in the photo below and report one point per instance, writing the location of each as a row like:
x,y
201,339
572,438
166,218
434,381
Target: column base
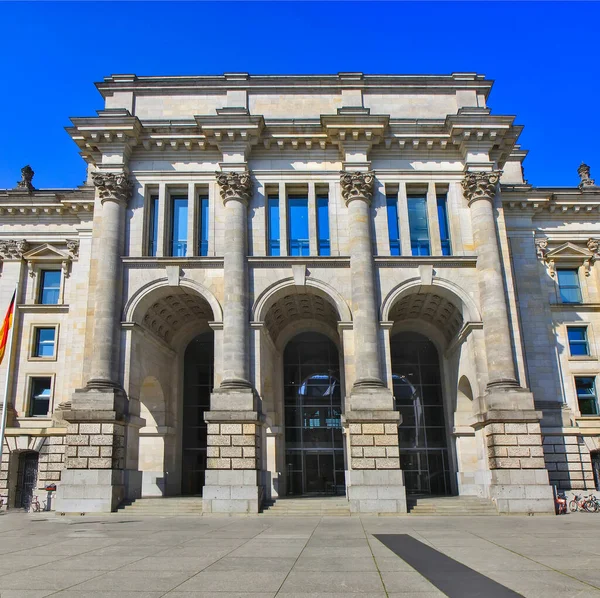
x,y
518,481
376,491
231,491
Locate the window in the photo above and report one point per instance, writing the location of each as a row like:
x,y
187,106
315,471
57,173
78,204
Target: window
x,y
179,226
39,399
442,210
578,341
203,226
44,342
586,395
417,220
49,291
273,225
393,226
298,225
323,225
153,226
568,286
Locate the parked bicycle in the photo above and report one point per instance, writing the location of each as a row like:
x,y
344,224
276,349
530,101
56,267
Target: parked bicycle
x,y
35,506
584,503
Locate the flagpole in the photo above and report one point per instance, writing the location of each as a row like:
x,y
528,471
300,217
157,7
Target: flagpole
x,y
8,354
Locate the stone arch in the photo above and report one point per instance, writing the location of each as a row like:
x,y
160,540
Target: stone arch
x,y
440,286
153,407
145,295
464,401
288,286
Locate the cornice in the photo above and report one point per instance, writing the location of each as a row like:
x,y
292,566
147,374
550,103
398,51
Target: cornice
x,y
550,200
47,202
161,262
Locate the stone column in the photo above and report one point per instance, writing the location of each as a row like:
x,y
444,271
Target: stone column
x,y
234,423
375,482
94,478
505,412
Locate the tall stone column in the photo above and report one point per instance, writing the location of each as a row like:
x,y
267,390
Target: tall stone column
x,y
97,416
234,422
506,412
374,481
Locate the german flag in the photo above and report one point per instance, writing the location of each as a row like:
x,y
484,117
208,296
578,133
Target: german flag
x,y
6,324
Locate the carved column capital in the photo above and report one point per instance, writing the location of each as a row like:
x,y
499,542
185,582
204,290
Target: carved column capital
x,y
357,185
480,185
13,250
113,186
235,185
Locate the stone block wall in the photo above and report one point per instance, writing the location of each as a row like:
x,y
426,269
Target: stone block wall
x,y
374,446
51,461
568,462
95,446
232,446
514,446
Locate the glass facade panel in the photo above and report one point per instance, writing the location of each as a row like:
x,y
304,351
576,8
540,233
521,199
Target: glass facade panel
x,y
323,225
298,225
273,224
578,341
586,395
153,225
442,210
393,224
568,286
419,229
179,226
313,416
39,400
418,397
44,342
197,386
49,287
203,226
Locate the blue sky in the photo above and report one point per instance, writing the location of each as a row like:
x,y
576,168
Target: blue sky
x,y
542,56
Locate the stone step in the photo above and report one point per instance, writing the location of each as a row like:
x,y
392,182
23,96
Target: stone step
x,y
334,506
171,506
452,506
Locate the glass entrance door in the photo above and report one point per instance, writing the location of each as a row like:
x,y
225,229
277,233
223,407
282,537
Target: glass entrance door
x,y
313,407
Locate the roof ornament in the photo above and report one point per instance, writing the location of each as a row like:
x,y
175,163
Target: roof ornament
x,y
584,174
26,177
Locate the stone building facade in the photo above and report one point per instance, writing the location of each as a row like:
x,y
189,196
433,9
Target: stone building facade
x,y
299,285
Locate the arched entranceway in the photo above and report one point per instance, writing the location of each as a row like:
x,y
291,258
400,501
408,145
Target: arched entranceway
x,y
27,473
424,456
197,386
314,450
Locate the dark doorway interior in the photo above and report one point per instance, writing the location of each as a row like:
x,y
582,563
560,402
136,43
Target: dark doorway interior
x,y
26,479
418,397
314,449
197,386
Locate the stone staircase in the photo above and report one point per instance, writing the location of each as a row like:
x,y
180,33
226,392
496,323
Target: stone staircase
x,y
164,506
308,506
466,506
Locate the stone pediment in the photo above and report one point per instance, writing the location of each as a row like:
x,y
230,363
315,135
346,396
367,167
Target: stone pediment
x,y
568,254
46,252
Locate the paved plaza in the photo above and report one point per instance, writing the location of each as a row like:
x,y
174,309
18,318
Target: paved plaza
x,y
255,557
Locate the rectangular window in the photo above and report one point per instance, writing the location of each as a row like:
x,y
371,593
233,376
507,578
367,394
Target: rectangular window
x,y
203,226
442,210
273,225
153,226
393,225
586,395
44,342
578,341
49,287
323,225
417,220
568,286
179,226
298,225
39,399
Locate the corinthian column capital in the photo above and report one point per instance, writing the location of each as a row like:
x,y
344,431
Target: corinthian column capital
x,y
480,185
235,185
357,185
113,186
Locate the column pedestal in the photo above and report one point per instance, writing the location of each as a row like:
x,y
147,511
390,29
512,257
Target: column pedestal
x,y
518,480
375,482
94,477
233,453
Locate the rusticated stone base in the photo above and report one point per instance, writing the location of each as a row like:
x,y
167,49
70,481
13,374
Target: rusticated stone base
x,y
518,477
233,457
375,483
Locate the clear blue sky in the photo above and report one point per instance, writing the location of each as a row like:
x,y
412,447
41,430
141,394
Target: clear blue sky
x,y
543,57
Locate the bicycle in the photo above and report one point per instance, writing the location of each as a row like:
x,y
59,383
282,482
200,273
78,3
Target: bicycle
x,y
582,503
34,505
593,503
